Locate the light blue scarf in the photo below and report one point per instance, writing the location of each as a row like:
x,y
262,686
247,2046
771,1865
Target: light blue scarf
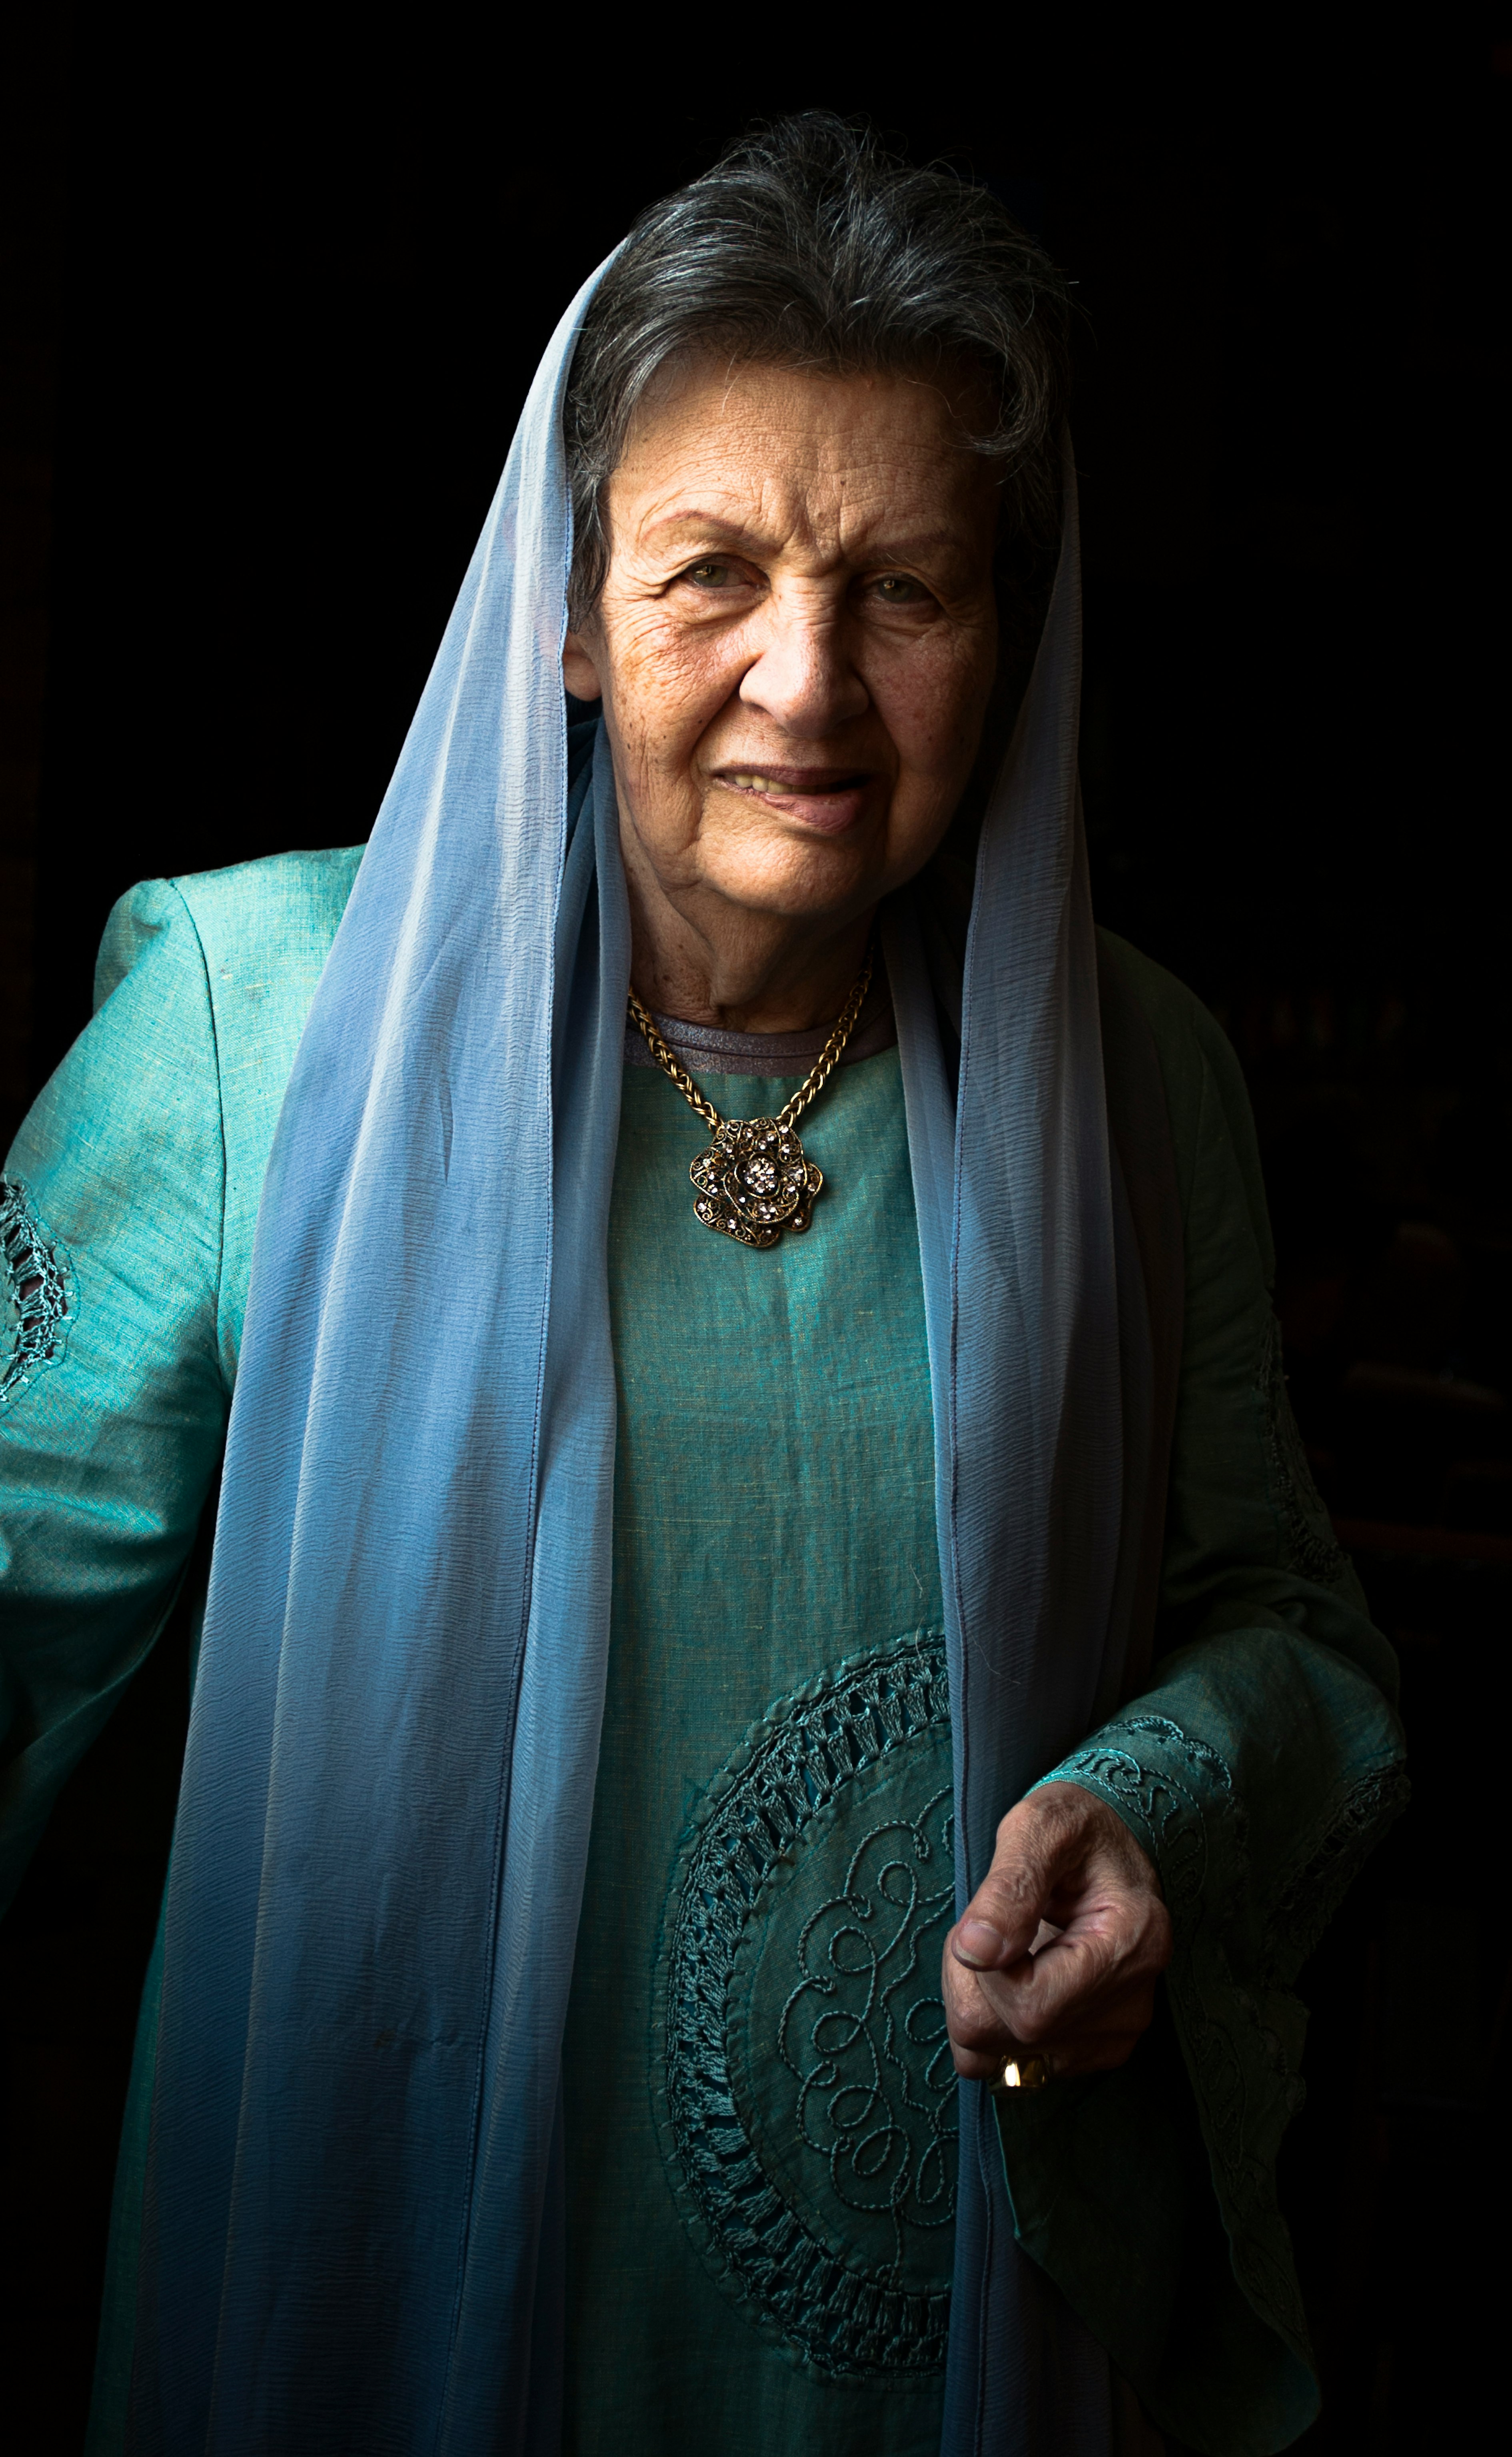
x,y
353,2224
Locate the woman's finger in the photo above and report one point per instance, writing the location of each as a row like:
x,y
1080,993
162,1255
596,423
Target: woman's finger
x,y
1084,1997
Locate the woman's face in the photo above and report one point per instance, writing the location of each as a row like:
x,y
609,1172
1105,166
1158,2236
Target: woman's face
x,y
796,638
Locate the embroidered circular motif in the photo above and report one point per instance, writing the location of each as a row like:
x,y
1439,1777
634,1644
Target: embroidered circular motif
x,y
806,2093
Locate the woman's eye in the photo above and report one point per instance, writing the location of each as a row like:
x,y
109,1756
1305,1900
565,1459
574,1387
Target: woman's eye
x,y
714,575
895,590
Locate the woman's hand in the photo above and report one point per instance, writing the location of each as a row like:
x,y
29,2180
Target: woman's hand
x,y
1061,1947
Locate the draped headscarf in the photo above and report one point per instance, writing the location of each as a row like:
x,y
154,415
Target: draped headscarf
x,y
353,2233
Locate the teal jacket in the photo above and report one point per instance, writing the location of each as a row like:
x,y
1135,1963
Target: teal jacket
x,y
1256,1770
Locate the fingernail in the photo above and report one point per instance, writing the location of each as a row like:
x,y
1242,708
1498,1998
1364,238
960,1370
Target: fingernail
x,y
977,1945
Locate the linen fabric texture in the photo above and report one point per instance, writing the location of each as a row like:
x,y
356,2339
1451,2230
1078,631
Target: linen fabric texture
x,y
760,2106
143,1159
352,2217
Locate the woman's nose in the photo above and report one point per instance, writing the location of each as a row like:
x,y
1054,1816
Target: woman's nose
x,y
803,678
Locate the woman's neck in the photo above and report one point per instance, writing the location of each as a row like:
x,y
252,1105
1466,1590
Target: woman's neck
x,y
739,971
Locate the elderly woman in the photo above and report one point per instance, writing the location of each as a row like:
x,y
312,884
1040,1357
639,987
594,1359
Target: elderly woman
x,y
756,1471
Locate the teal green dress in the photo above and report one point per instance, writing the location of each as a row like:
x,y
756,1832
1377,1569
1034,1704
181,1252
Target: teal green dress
x,y
760,2101
758,2116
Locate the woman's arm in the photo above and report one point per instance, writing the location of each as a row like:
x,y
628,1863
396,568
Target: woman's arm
x,y
113,1390
1213,1826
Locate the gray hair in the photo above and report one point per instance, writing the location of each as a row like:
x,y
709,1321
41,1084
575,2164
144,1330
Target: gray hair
x,y
809,246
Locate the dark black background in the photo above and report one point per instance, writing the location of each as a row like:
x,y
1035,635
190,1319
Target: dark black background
x,y
277,288
305,293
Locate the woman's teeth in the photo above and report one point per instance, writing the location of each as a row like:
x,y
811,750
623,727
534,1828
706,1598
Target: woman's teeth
x,y
752,781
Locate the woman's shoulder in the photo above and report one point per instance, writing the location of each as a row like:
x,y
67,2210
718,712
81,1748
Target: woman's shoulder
x,y
201,991
1197,1059
1205,1099
268,924
1187,1034
295,886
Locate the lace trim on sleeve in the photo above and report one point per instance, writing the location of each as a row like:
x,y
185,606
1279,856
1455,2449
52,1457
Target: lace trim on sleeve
x,y
40,1296
1151,1797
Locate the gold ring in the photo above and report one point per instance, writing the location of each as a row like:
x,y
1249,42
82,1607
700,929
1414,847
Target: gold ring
x,y
1025,2073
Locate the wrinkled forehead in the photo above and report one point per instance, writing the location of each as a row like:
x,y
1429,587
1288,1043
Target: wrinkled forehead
x,y
800,453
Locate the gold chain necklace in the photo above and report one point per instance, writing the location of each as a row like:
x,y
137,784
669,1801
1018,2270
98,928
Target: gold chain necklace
x,y
753,1181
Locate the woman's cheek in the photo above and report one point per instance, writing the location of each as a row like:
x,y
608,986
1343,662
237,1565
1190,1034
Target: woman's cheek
x,y
928,704
671,688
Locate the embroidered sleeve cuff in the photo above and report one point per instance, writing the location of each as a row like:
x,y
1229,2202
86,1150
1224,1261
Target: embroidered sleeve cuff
x,y
1168,1788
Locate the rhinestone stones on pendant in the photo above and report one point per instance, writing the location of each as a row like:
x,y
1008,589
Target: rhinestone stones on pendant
x,y
753,1181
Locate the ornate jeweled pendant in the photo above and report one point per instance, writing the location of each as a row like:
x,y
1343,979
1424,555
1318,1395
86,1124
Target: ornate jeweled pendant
x,y
753,1181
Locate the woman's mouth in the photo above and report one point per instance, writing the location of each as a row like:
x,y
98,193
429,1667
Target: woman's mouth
x,y
828,799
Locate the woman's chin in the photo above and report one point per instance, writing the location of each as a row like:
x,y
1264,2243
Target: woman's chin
x,y
806,880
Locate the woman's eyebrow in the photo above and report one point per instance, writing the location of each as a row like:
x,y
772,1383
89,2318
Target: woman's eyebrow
x,y
916,542
710,526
